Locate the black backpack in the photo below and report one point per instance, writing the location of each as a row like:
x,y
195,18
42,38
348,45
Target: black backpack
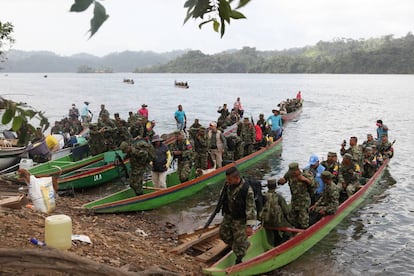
x,y
259,198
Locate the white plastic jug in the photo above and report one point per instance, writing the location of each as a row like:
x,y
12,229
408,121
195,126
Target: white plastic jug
x,y
58,231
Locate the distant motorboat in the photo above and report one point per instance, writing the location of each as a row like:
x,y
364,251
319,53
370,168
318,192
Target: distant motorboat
x,y
129,81
181,84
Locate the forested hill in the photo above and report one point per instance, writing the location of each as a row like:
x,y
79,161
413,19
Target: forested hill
x,y
385,55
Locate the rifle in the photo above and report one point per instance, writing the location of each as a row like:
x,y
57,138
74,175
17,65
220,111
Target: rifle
x,y
390,146
121,161
218,207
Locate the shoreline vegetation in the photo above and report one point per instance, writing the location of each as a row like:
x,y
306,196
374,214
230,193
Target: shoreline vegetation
x,y
383,55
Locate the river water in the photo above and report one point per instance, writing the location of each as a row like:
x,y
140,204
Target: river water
x,y
376,239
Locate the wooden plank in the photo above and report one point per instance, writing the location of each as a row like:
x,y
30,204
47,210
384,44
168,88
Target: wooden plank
x,y
212,253
196,239
13,202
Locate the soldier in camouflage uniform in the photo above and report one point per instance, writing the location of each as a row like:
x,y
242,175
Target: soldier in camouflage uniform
x,y
385,148
328,203
181,150
96,140
248,136
354,149
200,149
140,154
275,213
369,142
370,163
239,213
235,146
102,113
331,164
108,130
301,200
122,133
194,129
349,174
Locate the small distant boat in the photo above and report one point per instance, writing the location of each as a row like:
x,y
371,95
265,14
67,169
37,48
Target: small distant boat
x,y
290,116
181,84
129,81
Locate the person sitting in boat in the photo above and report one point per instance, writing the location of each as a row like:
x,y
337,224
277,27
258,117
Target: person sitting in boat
x,y
369,142
275,122
385,148
370,163
349,174
275,214
140,155
354,149
224,113
315,169
182,151
328,203
239,213
301,200
331,164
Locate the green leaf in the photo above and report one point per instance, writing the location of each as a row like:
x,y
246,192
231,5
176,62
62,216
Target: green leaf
x,y
216,26
189,3
205,22
224,10
236,15
7,116
99,17
223,27
17,123
242,3
80,5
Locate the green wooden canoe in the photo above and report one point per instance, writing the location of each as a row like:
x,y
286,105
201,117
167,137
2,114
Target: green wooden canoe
x,y
262,257
94,174
126,201
63,165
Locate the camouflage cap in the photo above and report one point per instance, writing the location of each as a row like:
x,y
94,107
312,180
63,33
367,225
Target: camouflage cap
x,y
293,166
331,154
271,183
124,145
347,155
326,174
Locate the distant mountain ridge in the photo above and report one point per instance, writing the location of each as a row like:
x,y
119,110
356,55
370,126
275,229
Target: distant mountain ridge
x,y
46,61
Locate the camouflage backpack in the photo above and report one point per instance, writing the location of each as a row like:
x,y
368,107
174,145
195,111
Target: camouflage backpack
x,y
272,213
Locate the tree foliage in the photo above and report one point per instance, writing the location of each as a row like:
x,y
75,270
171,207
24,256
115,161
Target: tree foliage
x,y
217,12
19,116
385,55
6,40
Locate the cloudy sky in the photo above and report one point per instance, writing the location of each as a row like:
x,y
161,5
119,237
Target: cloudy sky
x,y
157,25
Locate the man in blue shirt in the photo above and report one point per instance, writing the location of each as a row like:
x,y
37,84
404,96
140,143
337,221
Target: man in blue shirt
x,y
180,118
316,170
381,131
275,122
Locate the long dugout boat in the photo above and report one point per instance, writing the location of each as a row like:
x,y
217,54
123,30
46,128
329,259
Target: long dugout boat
x,y
126,201
262,257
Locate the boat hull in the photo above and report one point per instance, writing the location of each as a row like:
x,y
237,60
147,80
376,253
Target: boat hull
x,y
9,156
262,257
125,201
